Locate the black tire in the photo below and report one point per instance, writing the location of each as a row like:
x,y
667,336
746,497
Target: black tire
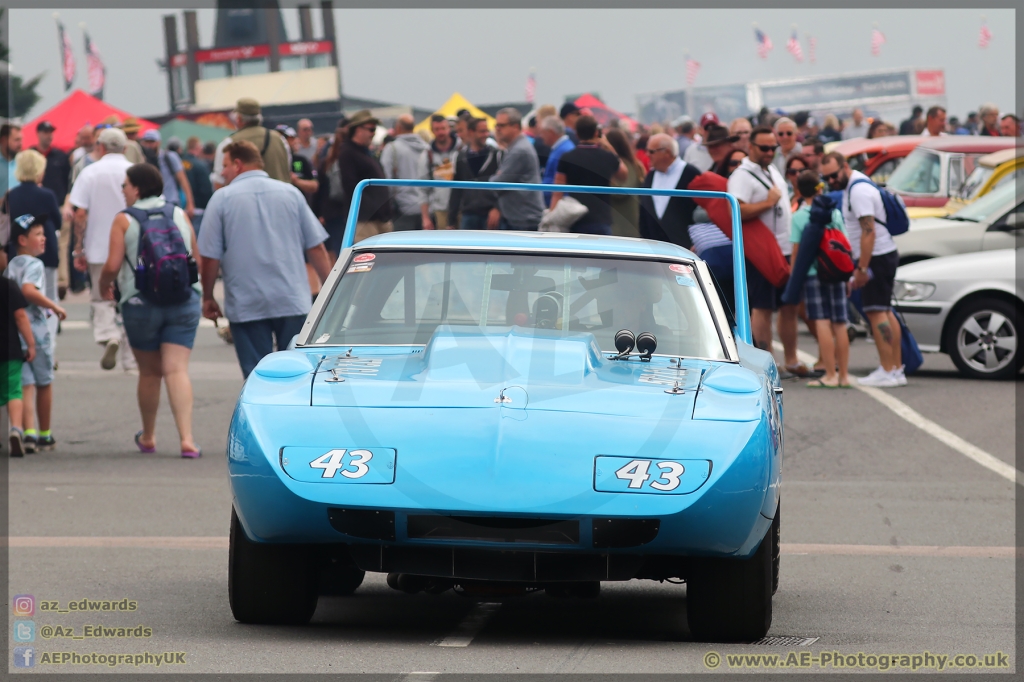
x,y
340,581
730,600
776,547
961,337
270,584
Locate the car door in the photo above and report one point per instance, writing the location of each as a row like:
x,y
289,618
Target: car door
x,y
1007,232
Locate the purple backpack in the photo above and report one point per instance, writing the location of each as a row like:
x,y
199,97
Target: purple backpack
x,y
164,271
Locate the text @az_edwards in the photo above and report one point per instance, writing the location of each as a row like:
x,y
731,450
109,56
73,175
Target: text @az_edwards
x,y
88,605
95,632
839,661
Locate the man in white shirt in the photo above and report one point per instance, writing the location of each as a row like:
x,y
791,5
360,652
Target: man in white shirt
x,y
877,259
761,191
935,123
97,199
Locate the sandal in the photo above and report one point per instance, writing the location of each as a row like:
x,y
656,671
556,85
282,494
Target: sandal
x,y
818,383
142,448
801,370
845,386
192,454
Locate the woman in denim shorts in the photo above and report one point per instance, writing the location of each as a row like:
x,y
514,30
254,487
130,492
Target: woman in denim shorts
x,y
160,337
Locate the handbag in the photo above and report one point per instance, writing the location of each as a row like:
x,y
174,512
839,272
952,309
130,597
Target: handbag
x,y
910,353
562,217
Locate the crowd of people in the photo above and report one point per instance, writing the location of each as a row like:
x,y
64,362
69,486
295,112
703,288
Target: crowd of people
x,y
266,212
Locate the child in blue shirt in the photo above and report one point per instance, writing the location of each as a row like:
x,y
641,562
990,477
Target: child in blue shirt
x,y
27,271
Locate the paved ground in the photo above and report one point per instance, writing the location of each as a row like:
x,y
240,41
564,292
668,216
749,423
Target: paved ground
x,y
892,543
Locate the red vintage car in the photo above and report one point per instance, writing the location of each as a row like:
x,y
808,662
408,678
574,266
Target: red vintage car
x,y
877,158
937,167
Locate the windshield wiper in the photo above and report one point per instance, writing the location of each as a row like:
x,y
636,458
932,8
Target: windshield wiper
x,y
961,218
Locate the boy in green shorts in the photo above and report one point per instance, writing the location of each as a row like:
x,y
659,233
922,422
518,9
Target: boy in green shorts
x,y
10,366
27,271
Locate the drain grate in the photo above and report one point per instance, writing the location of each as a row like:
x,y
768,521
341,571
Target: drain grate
x,y
785,641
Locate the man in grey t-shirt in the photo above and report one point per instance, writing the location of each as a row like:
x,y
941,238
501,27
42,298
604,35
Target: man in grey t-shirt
x,y
516,210
256,229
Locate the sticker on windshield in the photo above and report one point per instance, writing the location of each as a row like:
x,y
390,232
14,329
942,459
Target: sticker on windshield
x,y
685,281
364,258
323,338
360,267
681,269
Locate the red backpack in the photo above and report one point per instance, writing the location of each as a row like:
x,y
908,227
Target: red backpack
x,y
835,257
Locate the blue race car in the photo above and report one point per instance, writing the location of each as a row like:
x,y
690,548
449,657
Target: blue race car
x,y
511,410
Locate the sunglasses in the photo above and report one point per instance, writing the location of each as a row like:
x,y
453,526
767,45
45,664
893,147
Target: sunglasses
x,y
794,171
767,148
831,176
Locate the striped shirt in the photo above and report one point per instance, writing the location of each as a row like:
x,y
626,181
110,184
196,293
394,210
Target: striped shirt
x,y
707,236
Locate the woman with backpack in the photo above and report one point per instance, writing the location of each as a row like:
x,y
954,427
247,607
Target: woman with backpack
x,y
154,265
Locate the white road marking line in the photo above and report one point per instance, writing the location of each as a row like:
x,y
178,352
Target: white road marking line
x,y
911,416
471,625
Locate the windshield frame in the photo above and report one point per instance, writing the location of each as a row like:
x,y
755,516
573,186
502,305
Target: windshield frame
x,y
716,311
915,156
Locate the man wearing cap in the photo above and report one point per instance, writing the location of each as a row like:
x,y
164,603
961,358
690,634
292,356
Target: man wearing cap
x,y
697,154
719,143
270,144
569,113
357,163
133,150
172,170
97,198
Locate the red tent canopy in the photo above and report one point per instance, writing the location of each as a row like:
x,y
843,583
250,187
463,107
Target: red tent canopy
x,y
603,113
73,112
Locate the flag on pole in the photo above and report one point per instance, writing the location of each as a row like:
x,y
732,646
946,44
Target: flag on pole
x,y
984,35
764,43
692,68
812,48
67,56
877,40
793,47
531,87
97,71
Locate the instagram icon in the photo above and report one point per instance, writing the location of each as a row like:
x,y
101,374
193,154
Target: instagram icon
x,y
24,605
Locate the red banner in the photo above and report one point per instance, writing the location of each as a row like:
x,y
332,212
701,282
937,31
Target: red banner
x,y
931,82
312,47
227,54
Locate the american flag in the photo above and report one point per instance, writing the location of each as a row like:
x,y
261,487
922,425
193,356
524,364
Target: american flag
x,y
764,43
984,36
877,40
67,56
97,72
812,49
692,68
531,87
793,47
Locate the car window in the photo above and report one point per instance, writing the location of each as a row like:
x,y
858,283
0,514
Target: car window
x,y
882,173
397,298
974,182
990,206
1010,177
956,174
920,173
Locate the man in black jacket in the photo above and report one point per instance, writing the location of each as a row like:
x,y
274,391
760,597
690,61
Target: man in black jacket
x,y
664,218
475,162
357,163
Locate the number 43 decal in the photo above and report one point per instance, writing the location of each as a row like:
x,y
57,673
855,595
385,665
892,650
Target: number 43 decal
x,y
636,473
332,463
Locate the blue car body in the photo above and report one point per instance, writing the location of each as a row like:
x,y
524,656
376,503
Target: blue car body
x,y
509,453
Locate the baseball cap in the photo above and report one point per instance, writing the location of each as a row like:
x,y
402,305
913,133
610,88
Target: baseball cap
x,y
45,126
709,119
286,130
568,108
151,135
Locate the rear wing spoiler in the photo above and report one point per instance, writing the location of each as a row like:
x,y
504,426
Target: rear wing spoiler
x,y
742,311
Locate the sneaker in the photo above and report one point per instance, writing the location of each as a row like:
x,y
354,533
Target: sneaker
x,y
47,442
17,447
900,375
877,374
882,380
109,359
29,443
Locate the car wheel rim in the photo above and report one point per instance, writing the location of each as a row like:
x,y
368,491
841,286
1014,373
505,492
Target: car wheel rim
x,y
987,341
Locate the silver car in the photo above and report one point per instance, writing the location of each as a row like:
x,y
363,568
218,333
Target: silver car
x,y
968,306
994,221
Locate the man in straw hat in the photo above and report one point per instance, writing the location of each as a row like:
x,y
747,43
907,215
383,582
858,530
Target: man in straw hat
x,y
271,145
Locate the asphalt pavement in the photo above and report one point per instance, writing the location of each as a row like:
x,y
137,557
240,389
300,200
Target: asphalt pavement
x,y
893,541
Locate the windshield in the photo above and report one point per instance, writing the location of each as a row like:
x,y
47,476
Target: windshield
x,y
395,297
990,206
920,173
974,182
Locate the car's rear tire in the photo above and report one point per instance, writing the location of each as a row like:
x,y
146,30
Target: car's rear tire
x,y
776,546
270,583
978,336
730,600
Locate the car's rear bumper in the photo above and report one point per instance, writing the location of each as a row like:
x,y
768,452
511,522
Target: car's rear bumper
x,y
403,529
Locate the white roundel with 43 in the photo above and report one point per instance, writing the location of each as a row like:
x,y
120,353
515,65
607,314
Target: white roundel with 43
x,y
334,462
636,473
614,474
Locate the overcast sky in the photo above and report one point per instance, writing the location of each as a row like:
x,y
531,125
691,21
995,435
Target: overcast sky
x,y
420,57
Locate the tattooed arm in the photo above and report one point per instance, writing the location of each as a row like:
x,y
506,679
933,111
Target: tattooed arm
x,y
867,245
